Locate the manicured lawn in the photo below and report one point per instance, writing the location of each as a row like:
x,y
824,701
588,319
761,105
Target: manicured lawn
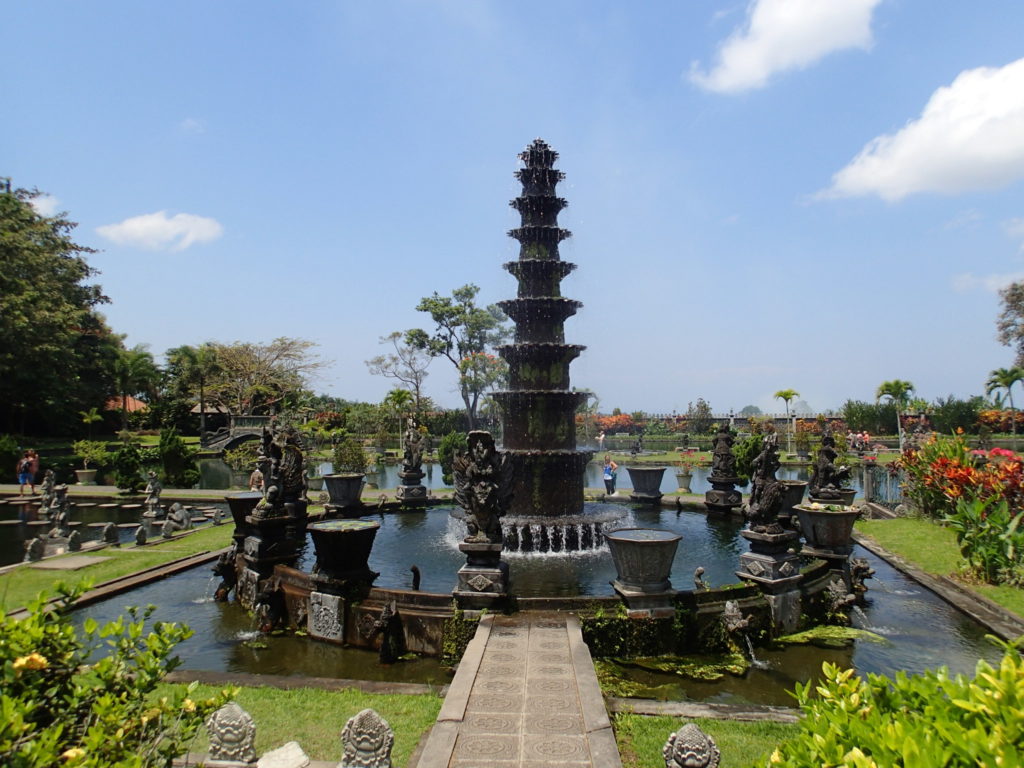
x,y
641,738
315,718
19,586
933,548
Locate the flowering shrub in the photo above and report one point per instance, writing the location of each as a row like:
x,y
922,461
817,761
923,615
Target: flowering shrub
x,y
914,720
621,422
1001,421
59,706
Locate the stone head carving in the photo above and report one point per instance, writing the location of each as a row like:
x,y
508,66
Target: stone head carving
x,y
690,747
232,734
366,740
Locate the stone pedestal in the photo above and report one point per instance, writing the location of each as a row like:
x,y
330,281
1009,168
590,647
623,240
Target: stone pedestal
x,y
241,506
772,564
272,539
646,483
723,497
411,492
484,579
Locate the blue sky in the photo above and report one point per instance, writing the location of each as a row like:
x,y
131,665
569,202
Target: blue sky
x,y
769,194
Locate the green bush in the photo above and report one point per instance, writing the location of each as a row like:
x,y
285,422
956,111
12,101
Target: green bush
x,y
177,459
61,706
915,721
91,452
128,467
243,457
991,539
450,444
348,455
9,452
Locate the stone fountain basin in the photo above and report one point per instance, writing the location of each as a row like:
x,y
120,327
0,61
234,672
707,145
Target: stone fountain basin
x,y
643,557
827,526
343,546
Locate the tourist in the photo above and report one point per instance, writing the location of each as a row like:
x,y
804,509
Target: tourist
x,y
25,475
600,440
256,480
609,474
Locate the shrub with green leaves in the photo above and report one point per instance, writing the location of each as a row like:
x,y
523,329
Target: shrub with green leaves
x,y
991,539
92,452
914,721
177,459
450,445
60,705
348,454
128,467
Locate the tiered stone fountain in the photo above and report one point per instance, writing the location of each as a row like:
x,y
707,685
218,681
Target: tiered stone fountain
x,y
539,408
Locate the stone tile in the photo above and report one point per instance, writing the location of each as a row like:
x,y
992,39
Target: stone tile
x,y
484,748
71,563
552,748
499,670
547,657
495,702
500,685
550,645
550,763
543,686
492,722
552,704
549,670
497,656
553,723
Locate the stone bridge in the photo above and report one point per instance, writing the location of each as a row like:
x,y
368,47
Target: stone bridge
x,y
241,428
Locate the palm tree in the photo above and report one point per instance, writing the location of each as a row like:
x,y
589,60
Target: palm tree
x,y
786,395
90,417
398,401
898,391
135,372
1005,378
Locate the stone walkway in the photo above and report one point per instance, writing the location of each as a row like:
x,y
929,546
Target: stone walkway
x,y
525,695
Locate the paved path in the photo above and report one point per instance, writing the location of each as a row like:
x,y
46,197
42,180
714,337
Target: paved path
x,y
525,695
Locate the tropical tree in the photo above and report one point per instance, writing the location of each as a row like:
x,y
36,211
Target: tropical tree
x,y
255,378
407,364
396,403
898,391
463,334
787,395
90,417
135,373
195,366
1004,379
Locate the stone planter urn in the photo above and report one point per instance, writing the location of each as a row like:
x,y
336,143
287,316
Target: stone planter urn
x,y
344,489
643,558
315,483
846,497
684,479
646,483
86,476
343,549
241,505
827,527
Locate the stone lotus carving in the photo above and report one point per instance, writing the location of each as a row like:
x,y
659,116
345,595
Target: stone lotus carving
x,y
232,735
483,487
366,741
690,747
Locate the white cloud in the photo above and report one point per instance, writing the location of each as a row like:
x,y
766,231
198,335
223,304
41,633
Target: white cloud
x,y
1015,229
992,283
781,35
45,205
970,136
157,232
192,125
964,220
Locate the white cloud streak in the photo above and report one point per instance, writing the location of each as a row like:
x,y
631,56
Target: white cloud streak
x,y
45,205
969,137
992,283
783,35
158,232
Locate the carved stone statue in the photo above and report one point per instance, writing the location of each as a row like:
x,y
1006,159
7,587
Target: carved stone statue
x,y
690,747
768,493
46,489
232,734
723,463
414,440
283,466
178,519
225,568
109,535
733,618
34,550
827,478
59,513
74,542
153,490
483,487
366,741
140,535
389,627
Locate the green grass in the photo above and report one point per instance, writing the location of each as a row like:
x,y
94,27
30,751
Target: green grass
x,y
22,584
315,718
641,738
933,548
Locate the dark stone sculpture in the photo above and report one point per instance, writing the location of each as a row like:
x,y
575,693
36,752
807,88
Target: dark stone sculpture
x,y
74,541
827,478
723,462
723,496
109,535
699,582
389,627
178,519
153,490
483,487
768,493
34,550
140,535
732,619
270,607
690,747
412,492
413,455
46,490
58,513
225,568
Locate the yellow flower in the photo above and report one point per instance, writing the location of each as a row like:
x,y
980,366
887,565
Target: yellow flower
x,y
188,705
776,757
73,754
32,661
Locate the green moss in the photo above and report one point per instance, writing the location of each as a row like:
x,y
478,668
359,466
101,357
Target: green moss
x,y
457,632
831,637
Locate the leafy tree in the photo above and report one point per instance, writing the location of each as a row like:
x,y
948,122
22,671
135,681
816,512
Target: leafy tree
x,y
950,414
750,410
463,334
1010,323
57,353
450,445
348,455
898,392
408,364
1005,378
135,373
178,460
128,467
874,418
698,417
90,417
255,378
191,369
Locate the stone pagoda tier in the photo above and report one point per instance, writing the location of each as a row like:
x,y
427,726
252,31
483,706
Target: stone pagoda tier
x,y
539,408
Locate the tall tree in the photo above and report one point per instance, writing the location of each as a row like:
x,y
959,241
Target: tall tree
x,y
257,378
786,395
898,391
57,352
195,366
407,364
1010,323
135,373
1005,378
464,333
